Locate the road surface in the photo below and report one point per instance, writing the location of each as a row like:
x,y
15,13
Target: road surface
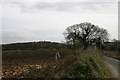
x,y
0,65
113,65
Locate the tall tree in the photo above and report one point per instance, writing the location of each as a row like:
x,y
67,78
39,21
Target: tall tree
x,y
85,33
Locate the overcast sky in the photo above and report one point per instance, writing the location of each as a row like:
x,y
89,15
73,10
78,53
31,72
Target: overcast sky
x,y
34,21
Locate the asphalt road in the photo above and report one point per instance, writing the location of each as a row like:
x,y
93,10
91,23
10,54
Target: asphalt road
x,y
0,64
113,65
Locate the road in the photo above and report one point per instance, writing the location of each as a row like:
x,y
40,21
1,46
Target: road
x,y
0,64
113,65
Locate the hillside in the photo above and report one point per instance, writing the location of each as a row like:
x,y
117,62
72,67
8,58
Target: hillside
x,y
32,45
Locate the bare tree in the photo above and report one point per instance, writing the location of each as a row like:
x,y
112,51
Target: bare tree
x,y
85,33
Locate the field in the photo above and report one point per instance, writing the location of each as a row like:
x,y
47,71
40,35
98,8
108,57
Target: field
x,y
42,63
36,63
112,54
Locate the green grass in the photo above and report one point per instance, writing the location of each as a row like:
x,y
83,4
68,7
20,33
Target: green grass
x,y
88,66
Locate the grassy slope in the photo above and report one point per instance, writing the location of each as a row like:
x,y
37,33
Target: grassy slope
x,y
89,66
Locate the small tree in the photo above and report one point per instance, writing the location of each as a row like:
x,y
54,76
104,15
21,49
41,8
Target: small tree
x,y
86,34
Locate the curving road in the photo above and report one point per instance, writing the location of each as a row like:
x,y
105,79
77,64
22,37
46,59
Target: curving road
x,y
113,65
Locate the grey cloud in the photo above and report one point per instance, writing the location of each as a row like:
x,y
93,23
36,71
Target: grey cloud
x,y
13,36
59,0
9,36
66,6
43,28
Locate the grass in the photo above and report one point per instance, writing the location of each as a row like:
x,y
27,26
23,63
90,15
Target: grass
x,y
89,65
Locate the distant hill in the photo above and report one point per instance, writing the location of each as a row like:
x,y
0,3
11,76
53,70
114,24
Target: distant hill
x,y
36,45
54,45
33,45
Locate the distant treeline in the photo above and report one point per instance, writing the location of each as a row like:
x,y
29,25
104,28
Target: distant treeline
x,y
113,46
35,45
54,45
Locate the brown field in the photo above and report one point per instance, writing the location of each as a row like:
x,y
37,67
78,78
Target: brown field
x,y
36,63
113,54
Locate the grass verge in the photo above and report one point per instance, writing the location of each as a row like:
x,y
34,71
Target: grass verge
x,y
89,65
